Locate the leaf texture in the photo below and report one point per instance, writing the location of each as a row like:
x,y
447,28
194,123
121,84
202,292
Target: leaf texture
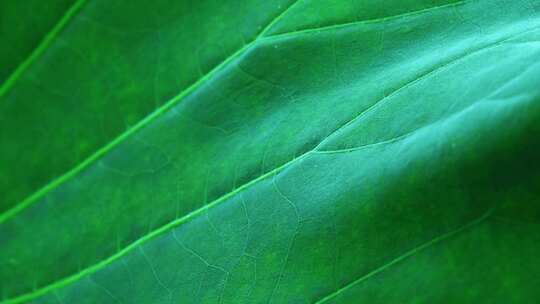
x,y
273,152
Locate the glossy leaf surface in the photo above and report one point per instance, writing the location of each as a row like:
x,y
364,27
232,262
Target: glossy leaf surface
x,y
273,152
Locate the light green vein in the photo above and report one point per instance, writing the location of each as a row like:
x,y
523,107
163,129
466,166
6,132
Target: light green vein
x,y
42,47
368,21
404,256
102,151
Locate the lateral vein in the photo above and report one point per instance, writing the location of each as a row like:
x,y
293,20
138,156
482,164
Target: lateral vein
x,y
367,21
42,47
405,256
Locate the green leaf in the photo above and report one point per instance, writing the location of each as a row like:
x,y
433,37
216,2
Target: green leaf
x,y
310,151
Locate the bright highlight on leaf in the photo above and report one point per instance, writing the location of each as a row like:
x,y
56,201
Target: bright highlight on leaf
x,y
308,151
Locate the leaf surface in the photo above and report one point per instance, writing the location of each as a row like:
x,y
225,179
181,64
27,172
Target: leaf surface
x,y
267,152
